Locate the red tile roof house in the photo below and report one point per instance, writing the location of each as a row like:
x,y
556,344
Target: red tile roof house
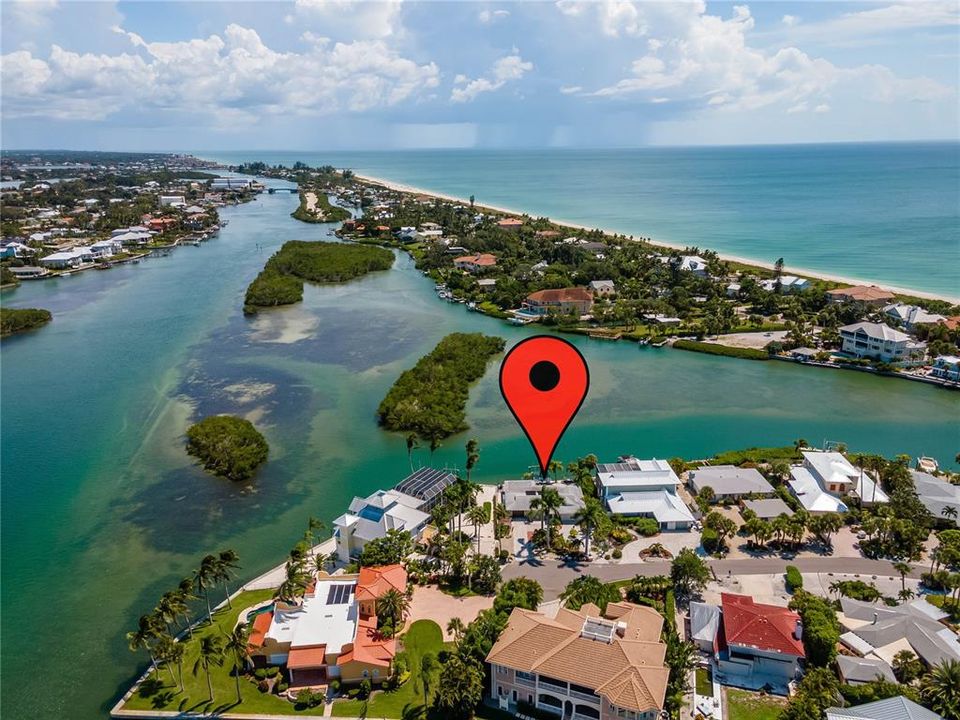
x,y
577,300
332,634
511,224
757,644
475,263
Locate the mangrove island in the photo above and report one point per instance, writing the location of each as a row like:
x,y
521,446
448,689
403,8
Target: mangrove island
x,y
228,446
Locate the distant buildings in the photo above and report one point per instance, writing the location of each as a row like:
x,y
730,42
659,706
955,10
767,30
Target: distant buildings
x,y
602,288
694,264
231,183
511,224
643,488
564,301
581,664
867,294
729,482
879,342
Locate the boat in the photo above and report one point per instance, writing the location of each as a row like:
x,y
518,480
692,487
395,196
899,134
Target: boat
x,y
643,342
927,464
659,344
472,306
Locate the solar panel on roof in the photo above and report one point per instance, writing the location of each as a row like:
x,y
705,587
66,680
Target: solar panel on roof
x,y
425,483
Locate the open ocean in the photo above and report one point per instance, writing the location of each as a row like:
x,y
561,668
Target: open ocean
x,y
884,212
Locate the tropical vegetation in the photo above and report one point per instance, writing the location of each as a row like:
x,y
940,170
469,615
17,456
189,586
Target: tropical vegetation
x,y
14,320
227,446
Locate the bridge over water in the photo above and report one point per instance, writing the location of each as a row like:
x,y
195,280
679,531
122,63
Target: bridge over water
x,y
279,189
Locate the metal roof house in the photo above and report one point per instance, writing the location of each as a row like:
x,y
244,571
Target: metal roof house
x,y
729,481
895,708
643,488
517,497
371,517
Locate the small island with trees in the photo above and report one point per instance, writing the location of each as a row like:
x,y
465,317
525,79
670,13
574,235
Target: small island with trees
x,y
281,280
430,399
227,446
15,320
315,207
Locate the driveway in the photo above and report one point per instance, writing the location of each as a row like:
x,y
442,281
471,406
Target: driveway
x,y
430,604
674,541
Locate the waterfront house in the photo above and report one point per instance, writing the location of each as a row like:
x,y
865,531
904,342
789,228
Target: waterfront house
x,y
64,260
757,644
172,201
788,284
803,354
332,633
877,341
574,300
511,224
426,485
487,284
729,482
582,664
664,320
106,248
881,631
231,183
602,288
826,477
894,708
643,488
946,367
517,497
371,517
17,249
909,316
866,294
694,264
475,263
29,272
161,224
937,494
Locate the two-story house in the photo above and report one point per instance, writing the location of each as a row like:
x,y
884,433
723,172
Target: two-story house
x,y
576,300
877,341
582,664
643,488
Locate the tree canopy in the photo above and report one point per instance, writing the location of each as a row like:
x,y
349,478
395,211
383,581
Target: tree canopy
x,y
227,446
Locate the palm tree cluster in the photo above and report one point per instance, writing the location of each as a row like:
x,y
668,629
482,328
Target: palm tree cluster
x,y
301,565
792,528
158,632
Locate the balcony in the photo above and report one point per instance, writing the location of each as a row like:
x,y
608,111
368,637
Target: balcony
x,y
527,681
555,685
579,695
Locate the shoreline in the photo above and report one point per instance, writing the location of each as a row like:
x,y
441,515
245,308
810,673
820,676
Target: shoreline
x,y
804,272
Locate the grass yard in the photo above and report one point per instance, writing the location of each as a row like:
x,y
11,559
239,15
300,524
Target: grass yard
x,y
165,693
423,637
704,686
746,705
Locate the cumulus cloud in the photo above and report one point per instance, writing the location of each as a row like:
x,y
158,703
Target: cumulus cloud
x,y
790,20
506,69
236,74
358,18
486,17
708,62
30,12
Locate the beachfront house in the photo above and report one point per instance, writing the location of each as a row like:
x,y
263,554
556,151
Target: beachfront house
x,y
602,288
909,316
518,496
582,664
564,301
729,482
946,367
510,224
371,517
694,264
332,633
866,294
877,341
788,284
643,488
475,263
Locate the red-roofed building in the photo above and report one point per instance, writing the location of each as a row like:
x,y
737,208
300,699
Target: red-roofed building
x,y
511,224
475,263
758,644
576,300
261,623
374,582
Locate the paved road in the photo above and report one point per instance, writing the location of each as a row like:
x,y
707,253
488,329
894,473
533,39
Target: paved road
x,y
554,576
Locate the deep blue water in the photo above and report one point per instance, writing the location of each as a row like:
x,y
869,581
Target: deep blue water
x,y
885,212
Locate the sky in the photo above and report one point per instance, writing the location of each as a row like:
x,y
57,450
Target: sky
x,y
408,74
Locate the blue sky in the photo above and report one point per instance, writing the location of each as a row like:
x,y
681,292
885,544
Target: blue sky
x,y
348,74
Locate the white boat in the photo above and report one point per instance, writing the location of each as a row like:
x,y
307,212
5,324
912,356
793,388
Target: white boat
x,y
927,464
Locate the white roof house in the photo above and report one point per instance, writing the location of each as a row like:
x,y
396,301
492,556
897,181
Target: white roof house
x,y
371,517
729,481
936,494
327,617
835,474
788,284
517,496
694,264
646,488
811,495
910,315
602,287
704,625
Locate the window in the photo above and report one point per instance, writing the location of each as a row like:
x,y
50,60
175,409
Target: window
x,y
366,673
376,673
502,670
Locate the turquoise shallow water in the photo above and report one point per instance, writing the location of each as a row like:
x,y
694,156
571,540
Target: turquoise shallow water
x,y
888,213
102,511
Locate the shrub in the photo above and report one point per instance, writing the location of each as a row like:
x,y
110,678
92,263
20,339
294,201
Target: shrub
x,y
794,578
647,527
273,671
710,540
384,685
617,553
714,349
260,673
304,697
504,555
363,691
335,686
282,688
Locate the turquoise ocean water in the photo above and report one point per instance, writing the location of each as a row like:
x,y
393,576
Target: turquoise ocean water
x,y
102,511
889,213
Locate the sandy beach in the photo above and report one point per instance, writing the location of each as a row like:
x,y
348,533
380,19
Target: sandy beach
x,y
401,187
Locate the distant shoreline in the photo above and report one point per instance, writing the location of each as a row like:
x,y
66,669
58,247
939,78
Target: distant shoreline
x,y
805,272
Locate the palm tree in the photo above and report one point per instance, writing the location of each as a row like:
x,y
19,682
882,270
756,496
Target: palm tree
x,y
166,609
434,444
321,561
206,577
941,688
294,584
427,665
394,605
477,516
903,569
473,456
211,653
164,650
949,512
186,595
412,444
142,638
227,562
555,467
175,654
547,507
456,628
588,518
236,645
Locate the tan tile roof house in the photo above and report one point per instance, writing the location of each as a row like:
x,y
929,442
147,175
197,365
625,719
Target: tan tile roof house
x,y
583,664
869,294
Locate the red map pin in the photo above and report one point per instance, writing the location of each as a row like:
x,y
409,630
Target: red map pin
x,y
544,381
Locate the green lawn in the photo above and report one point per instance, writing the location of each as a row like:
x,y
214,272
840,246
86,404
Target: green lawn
x,y
704,686
423,637
745,705
166,695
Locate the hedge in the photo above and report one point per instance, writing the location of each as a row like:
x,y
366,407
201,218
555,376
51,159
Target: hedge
x,y
726,351
794,578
